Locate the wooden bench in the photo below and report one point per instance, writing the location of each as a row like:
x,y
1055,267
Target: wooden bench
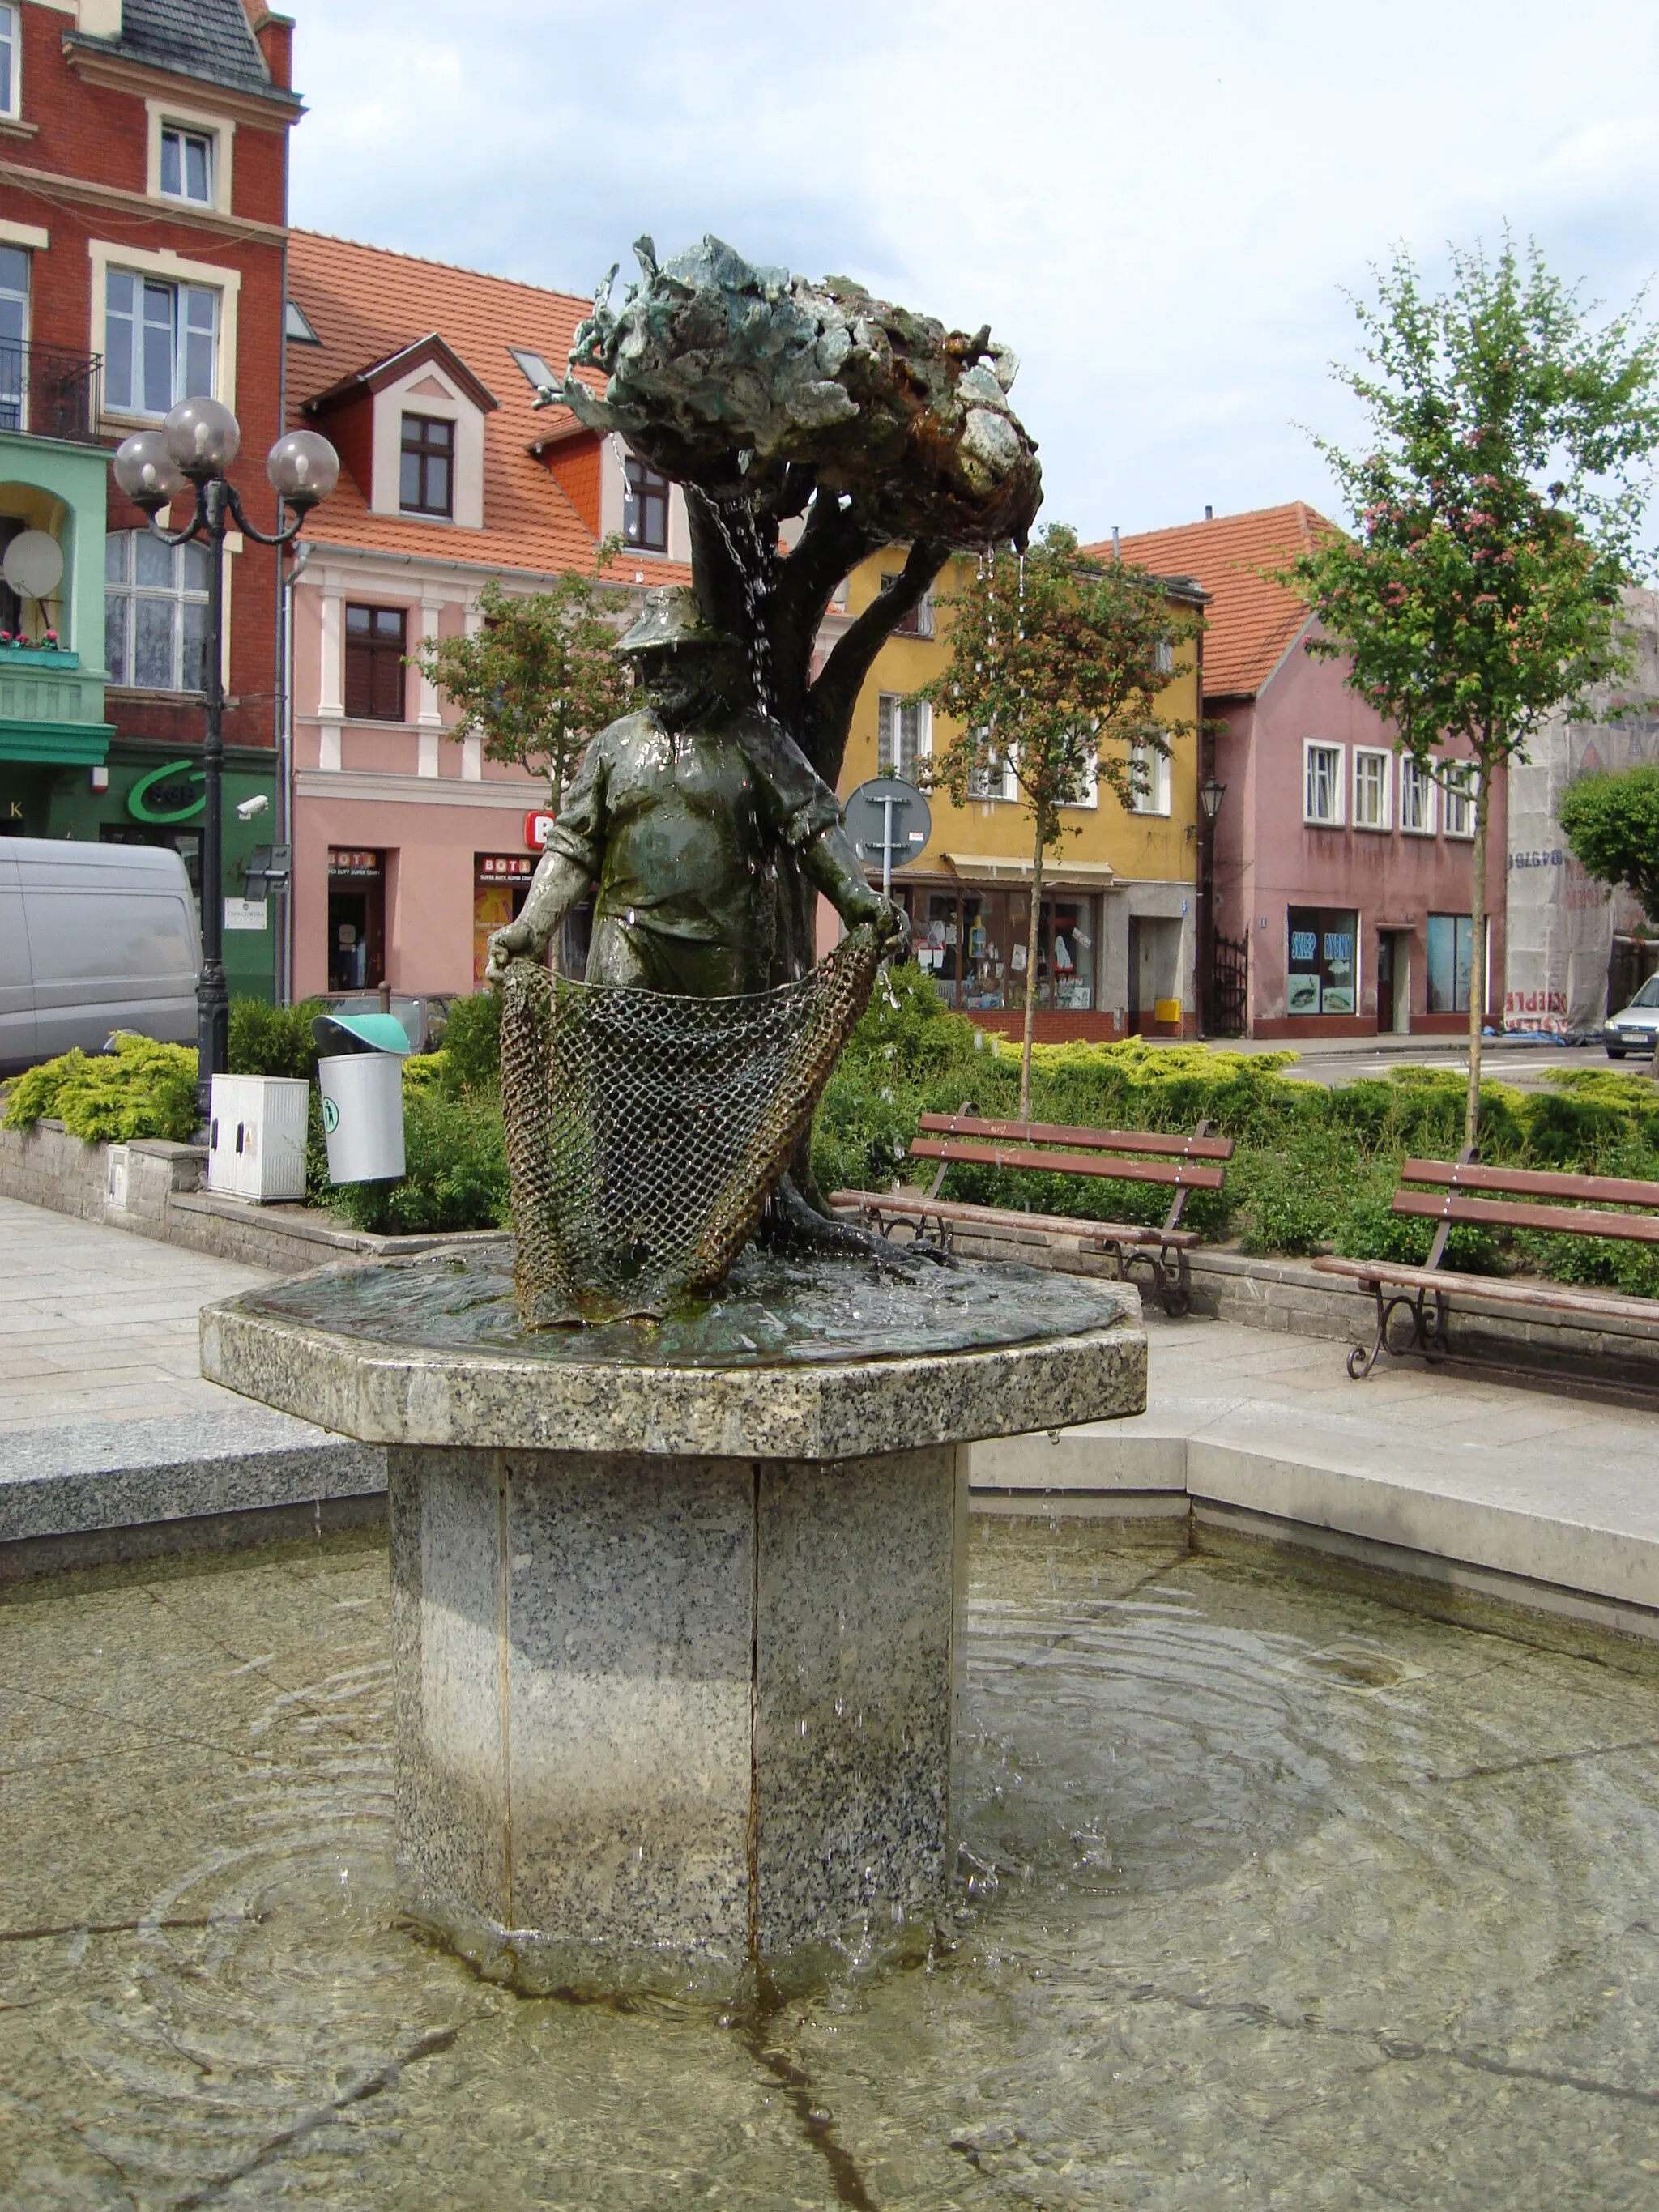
x,y
1461,1191
1188,1163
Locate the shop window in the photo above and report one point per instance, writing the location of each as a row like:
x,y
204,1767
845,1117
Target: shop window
x,y
154,612
1323,970
1321,790
1458,784
501,884
1451,961
374,664
356,920
1371,781
644,507
974,945
904,734
1416,799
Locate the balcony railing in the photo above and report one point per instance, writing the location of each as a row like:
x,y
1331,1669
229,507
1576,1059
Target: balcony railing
x,y
47,390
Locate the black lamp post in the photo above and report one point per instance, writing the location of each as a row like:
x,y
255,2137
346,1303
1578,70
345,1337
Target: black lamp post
x,y
1210,796
192,450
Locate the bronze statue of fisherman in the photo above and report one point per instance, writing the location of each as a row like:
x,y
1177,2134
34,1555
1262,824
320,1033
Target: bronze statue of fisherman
x,y
678,816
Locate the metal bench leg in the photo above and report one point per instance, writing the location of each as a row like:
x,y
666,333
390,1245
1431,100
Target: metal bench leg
x,y
1428,1336
1175,1283
1361,1362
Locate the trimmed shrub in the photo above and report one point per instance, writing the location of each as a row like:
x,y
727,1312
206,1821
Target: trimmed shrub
x,y
455,1175
140,1089
267,1040
471,1050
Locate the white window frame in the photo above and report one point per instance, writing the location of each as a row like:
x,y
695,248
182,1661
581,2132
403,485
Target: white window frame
x,y
1385,787
172,268
996,781
1413,778
1457,812
1164,661
184,138
13,39
1337,784
221,133
1156,799
890,705
127,594
182,333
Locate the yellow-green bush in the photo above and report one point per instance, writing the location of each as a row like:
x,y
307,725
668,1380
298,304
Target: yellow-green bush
x,y
140,1089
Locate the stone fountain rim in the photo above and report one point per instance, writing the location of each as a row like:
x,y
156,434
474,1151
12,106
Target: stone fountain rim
x,y
386,1393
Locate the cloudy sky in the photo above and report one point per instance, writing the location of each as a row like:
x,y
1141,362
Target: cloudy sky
x,y
1161,210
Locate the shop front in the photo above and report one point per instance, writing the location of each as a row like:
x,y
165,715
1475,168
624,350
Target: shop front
x,y
973,940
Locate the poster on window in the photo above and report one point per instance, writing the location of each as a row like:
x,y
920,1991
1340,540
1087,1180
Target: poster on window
x,y
1323,966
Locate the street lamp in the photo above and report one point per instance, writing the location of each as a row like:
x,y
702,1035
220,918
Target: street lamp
x,y
191,451
1211,792
1210,796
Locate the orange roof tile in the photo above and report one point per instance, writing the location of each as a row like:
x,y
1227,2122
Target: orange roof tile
x,y
1251,620
365,303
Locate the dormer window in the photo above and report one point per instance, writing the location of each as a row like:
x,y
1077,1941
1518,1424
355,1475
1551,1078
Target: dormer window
x,y
186,164
644,507
426,481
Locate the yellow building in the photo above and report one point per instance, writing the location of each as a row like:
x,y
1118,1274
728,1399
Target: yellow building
x,y
1118,928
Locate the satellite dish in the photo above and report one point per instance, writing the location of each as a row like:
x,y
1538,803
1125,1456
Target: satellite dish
x,y
890,823
34,564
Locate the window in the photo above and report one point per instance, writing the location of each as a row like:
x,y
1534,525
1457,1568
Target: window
x,y
1451,954
974,947
154,612
1459,782
1416,799
296,324
426,481
1321,788
1371,781
11,57
536,370
187,164
1150,769
996,780
14,336
1323,964
904,734
918,621
161,343
644,507
374,664
1165,663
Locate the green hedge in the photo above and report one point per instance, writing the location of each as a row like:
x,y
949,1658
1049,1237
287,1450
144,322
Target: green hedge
x,y
142,1088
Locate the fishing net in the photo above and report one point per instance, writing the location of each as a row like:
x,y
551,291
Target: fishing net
x,y
646,1131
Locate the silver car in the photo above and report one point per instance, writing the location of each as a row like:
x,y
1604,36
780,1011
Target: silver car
x,y
1634,1030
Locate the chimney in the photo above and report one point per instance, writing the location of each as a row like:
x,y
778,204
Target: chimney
x,y
1117,551
274,36
1209,514
100,19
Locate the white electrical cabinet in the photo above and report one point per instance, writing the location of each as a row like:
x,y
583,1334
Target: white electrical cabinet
x,y
257,1136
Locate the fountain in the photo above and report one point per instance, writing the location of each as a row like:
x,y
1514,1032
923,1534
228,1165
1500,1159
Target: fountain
x,y
678,1515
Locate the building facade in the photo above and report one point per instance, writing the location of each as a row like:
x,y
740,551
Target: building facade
x,y
1117,925
143,213
411,845
1340,875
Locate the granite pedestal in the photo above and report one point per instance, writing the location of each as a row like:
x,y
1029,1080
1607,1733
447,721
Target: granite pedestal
x,y
676,1649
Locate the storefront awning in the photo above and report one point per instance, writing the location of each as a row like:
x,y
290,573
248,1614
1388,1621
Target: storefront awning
x,y
57,744
1003,868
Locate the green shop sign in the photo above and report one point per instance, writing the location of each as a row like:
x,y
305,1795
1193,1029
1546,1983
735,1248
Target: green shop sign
x,y
168,795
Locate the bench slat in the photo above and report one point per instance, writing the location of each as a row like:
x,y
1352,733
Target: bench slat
x,y
913,1206
1496,1288
1557,1221
1523,1182
1087,1140
1183,1172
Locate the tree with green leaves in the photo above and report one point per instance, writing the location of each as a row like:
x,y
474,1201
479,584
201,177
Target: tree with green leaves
x,y
540,676
1611,824
1057,664
1495,510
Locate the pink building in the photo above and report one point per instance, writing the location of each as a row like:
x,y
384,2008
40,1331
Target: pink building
x,y
1340,877
410,846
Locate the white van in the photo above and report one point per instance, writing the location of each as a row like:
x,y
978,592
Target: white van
x,y
93,938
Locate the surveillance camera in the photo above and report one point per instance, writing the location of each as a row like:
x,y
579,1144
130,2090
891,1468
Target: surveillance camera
x,y
249,807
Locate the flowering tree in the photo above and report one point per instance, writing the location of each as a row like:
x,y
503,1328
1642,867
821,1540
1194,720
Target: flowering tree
x,y
540,677
1056,663
1495,512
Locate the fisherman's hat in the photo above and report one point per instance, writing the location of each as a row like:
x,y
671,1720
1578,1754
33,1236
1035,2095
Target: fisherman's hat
x,y
670,616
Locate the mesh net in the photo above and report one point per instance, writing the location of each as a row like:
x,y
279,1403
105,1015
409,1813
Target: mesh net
x,y
646,1131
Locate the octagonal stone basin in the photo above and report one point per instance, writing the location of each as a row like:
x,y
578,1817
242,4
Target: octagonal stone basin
x,y
677,1607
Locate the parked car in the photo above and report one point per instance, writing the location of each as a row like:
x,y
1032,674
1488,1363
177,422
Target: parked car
x,y
92,938
1634,1029
424,1018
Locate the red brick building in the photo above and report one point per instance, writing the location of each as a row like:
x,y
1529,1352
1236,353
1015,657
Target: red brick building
x,y
143,193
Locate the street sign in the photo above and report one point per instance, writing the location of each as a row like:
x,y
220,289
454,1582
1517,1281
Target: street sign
x,y
890,823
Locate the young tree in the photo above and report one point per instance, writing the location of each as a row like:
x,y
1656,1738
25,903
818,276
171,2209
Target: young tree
x,y
1611,824
1495,514
1056,663
539,678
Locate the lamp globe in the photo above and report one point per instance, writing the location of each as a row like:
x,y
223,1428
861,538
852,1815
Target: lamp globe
x,y
146,470
303,468
203,436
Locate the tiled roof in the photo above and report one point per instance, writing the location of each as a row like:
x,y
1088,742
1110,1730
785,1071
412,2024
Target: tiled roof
x,y
1250,620
365,303
208,39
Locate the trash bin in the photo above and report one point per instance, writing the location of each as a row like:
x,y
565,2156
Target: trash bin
x,y
360,1076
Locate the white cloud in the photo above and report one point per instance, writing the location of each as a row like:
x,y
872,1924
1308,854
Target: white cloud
x,y
1157,209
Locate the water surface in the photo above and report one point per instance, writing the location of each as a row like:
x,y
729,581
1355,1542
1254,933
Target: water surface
x,y
1280,1893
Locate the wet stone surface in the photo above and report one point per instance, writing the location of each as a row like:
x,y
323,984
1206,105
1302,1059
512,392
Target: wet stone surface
x,y
1280,1892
